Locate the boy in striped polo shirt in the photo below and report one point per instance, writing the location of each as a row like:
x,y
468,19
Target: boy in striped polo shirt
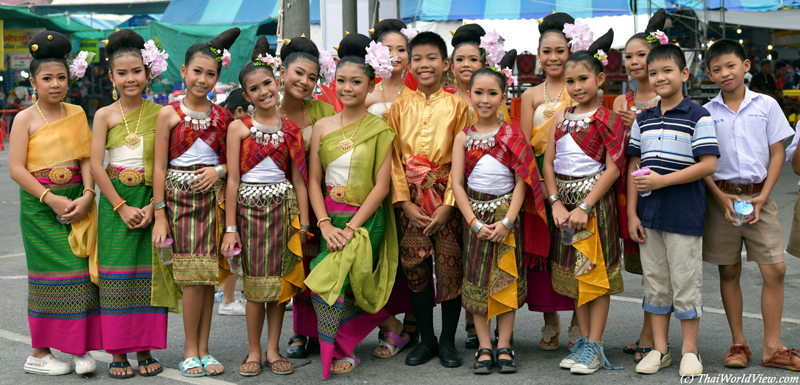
x,y
678,143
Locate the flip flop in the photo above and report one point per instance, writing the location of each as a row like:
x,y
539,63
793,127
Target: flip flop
x,y
394,347
642,351
150,361
191,363
209,360
121,365
627,350
352,359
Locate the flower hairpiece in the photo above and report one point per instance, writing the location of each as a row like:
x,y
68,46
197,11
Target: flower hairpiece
x,y
581,37
268,61
378,60
600,55
154,57
223,56
79,64
409,32
493,48
327,68
507,73
658,37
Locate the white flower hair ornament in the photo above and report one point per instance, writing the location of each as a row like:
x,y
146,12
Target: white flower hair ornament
x,y
602,56
154,57
492,48
410,32
579,35
658,37
507,73
378,60
327,68
77,69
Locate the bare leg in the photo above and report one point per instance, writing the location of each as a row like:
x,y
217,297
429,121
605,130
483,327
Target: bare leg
x,y
731,293
393,325
505,325
205,327
646,336
484,338
228,289
598,315
660,324
275,313
583,318
772,307
192,309
254,314
41,352
689,328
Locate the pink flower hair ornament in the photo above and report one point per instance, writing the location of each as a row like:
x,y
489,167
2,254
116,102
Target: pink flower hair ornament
x,y
410,32
378,62
223,56
492,48
602,56
77,69
658,37
579,35
507,74
327,68
267,60
154,57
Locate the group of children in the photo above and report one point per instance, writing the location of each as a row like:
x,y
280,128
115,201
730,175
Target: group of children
x,y
356,215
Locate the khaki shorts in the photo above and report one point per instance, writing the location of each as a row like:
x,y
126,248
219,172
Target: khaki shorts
x,y
673,274
794,235
722,241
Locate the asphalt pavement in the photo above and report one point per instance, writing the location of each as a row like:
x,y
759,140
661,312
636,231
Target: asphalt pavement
x,y
229,337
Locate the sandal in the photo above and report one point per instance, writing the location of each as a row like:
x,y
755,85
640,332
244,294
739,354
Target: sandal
x,y
250,368
505,366
394,347
280,366
550,333
641,351
120,365
150,361
207,361
191,363
574,333
472,339
352,359
485,366
628,350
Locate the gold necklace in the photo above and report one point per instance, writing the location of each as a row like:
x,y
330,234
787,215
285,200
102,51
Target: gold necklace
x,y
346,144
60,116
305,113
550,110
385,115
133,140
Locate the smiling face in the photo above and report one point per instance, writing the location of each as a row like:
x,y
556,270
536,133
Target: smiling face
x,y
201,75
299,78
261,89
51,82
636,59
428,65
466,60
666,78
727,71
397,47
129,74
352,85
553,52
486,95
583,83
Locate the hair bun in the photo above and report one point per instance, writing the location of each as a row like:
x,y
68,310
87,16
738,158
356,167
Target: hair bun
x,y
261,48
603,42
50,44
299,44
555,21
354,44
225,39
469,33
122,39
508,59
384,26
656,22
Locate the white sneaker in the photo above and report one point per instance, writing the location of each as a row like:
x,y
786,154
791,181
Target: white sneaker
x,y
233,308
84,363
653,361
48,365
691,365
289,304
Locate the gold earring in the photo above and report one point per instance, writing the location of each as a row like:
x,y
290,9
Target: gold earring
x,y
500,117
114,94
600,97
540,70
282,89
33,97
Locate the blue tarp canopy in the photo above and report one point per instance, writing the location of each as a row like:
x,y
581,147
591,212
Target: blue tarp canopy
x,y
95,23
730,5
227,11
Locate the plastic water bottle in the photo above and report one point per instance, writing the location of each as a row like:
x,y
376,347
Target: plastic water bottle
x,y
566,234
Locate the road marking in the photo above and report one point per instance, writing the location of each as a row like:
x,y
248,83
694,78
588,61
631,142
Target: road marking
x,y
172,374
707,309
12,255
2,277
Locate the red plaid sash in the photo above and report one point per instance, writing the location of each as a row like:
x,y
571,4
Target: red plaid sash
x,y
421,173
292,148
183,136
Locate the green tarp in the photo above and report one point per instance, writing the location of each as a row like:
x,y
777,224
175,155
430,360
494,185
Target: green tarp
x,y
21,17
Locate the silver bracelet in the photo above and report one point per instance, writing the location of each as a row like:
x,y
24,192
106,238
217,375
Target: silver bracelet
x,y
220,171
159,205
553,198
585,206
507,223
305,228
476,226
231,229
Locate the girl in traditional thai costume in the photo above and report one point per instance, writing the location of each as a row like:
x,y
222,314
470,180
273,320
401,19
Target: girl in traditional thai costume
x,y
627,107
302,65
188,190
498,166
125,249
49,159
266,210
352,277
584,156
539,107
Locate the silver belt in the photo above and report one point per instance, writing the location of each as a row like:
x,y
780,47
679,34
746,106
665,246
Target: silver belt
x,y
480,207
180,180
575,191
264,194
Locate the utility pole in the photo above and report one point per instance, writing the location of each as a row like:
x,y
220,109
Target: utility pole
x,y
296,18
373,12
349,16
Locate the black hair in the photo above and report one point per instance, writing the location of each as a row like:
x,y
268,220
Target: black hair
x,y
429,38
779,65
121,42
667,52
724,47
656,23
766,62
235,100
49,47
554,23
261,48
385,27
299,48
507,61
353,49
222,42
587,59
466,34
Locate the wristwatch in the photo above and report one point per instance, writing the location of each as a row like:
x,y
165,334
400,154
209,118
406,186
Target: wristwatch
x,y
553,198
585,206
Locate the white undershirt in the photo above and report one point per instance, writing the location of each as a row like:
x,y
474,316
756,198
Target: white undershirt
x,y
338,170
491,177
572,161
267,171
124,157
199,153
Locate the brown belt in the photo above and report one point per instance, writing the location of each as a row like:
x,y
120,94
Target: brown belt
x,y
738,188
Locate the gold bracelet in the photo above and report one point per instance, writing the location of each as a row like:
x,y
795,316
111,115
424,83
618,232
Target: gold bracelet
x,y
41,198
323,220
407,204
119,205
94,194
349,226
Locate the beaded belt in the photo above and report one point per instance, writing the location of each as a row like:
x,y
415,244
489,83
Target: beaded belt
x,y
180,180
58,175
264,194
337,193
575,191
128,176
480,207
738,188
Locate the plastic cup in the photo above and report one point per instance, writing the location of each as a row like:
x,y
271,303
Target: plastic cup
x,y
566,234
741,210
642,172
166,246
235,263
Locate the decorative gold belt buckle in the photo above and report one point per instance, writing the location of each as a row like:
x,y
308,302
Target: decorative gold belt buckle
x,y
338,193
130,177
60,175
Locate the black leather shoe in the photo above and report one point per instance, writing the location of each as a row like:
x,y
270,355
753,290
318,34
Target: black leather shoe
x,y
485,366
313,346
506,366
472,340
449,357
298,351
422,354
